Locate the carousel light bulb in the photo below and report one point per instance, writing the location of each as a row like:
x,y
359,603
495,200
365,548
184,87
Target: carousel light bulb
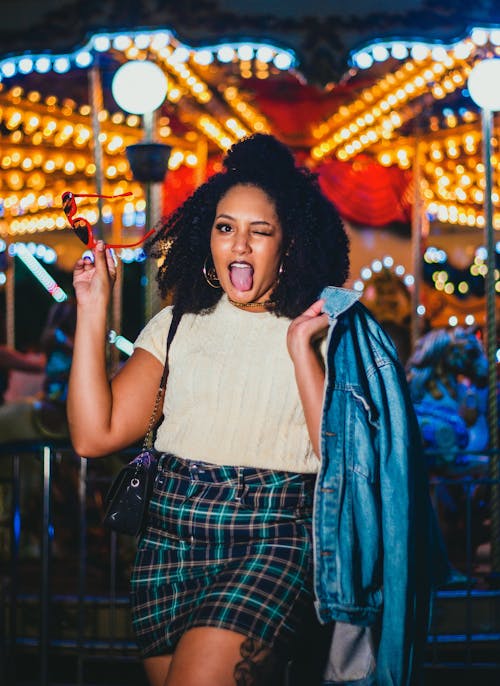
x,y
364,60
283,61
180,55
439,54
142,41
203,57
265,54
245,52
26,65
122,42
101,43
83,59
399,51
8,69
225,54
380,53
139,86
61,65
462,51
479,36
419,52
42,65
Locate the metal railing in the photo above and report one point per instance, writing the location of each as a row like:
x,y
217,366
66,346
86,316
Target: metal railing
x,y
64,577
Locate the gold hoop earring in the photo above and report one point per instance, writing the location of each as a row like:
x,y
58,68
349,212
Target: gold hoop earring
x,y
210,275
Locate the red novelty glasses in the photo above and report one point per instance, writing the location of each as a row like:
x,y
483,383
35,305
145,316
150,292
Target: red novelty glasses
x,y
81,226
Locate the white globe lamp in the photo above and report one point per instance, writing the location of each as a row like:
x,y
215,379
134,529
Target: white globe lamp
x,y
139,86
484,84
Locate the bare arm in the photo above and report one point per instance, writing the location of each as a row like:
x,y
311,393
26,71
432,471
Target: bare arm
x,y
309,372
105,416
10,358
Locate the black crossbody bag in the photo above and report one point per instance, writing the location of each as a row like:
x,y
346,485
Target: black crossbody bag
x,y
127,501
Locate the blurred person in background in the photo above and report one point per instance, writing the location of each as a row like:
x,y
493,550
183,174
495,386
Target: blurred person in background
x,y
44,415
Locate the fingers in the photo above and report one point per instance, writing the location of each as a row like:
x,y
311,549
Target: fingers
x,y
104,260
318,324
100,256
84,264
315,309
111,262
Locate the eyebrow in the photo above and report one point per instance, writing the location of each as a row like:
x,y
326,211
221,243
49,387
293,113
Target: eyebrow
x,y
257,221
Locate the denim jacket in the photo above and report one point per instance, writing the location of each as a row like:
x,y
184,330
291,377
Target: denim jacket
x,y
372,522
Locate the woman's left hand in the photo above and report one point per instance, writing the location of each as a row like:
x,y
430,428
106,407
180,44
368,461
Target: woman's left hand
x,y
306,328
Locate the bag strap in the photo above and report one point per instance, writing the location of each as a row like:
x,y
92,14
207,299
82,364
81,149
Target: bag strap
x,y
148,438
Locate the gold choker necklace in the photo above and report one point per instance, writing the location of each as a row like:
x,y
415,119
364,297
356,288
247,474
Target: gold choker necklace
x,y
264,303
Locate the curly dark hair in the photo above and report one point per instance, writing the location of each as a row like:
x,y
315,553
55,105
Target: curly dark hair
x,y
315,245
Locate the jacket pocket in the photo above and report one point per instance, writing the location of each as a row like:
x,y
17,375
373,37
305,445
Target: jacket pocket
x,y
362,429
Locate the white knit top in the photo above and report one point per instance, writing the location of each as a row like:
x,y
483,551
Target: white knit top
x,y
231,397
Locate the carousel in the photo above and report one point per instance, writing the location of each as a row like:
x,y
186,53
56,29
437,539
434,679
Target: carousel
x,y
396,140
396,143
129,113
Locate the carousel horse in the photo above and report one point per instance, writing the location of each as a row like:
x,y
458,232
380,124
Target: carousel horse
x,y
448,374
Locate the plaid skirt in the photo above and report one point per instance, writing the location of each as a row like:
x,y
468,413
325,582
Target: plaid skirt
x,y
226,547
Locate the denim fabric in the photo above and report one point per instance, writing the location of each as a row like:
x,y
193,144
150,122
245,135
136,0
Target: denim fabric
x,y
372,515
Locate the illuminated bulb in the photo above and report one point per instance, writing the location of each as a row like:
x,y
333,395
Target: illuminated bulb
x,y
245,52
439,54
42,65
364,60
83,59
399,51
462,51
479,36
203,57
61,65
101,43
419,52
226,54
380,53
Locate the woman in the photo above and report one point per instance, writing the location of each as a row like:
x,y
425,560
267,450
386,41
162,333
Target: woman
x,y
223,578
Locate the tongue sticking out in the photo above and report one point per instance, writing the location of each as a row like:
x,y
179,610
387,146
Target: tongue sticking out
x,y
241,276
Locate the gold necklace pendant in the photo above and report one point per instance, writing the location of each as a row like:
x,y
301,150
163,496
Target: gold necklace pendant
x,y
264,303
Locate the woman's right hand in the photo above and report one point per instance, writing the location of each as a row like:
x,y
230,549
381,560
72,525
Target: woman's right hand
x,y
93,281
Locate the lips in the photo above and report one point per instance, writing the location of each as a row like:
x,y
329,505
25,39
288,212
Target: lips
x,y
241,275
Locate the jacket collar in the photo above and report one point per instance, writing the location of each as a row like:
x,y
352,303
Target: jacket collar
x,y
338,300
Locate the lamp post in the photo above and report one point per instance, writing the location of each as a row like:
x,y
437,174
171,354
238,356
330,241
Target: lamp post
x,y
483,88
139,87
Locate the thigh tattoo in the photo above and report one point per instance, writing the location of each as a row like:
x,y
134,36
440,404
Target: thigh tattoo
x,y
259,665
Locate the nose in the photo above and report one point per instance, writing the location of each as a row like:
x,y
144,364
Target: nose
x,y
241,243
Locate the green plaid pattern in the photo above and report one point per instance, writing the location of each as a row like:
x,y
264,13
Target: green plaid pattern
x,y
227,547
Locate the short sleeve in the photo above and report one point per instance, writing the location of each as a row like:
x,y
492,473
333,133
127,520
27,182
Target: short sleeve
x,y
153,337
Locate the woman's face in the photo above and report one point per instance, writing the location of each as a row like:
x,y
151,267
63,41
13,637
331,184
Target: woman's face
x,y
246,244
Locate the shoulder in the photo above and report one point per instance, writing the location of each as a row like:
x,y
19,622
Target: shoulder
x,y
158,323
154,335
